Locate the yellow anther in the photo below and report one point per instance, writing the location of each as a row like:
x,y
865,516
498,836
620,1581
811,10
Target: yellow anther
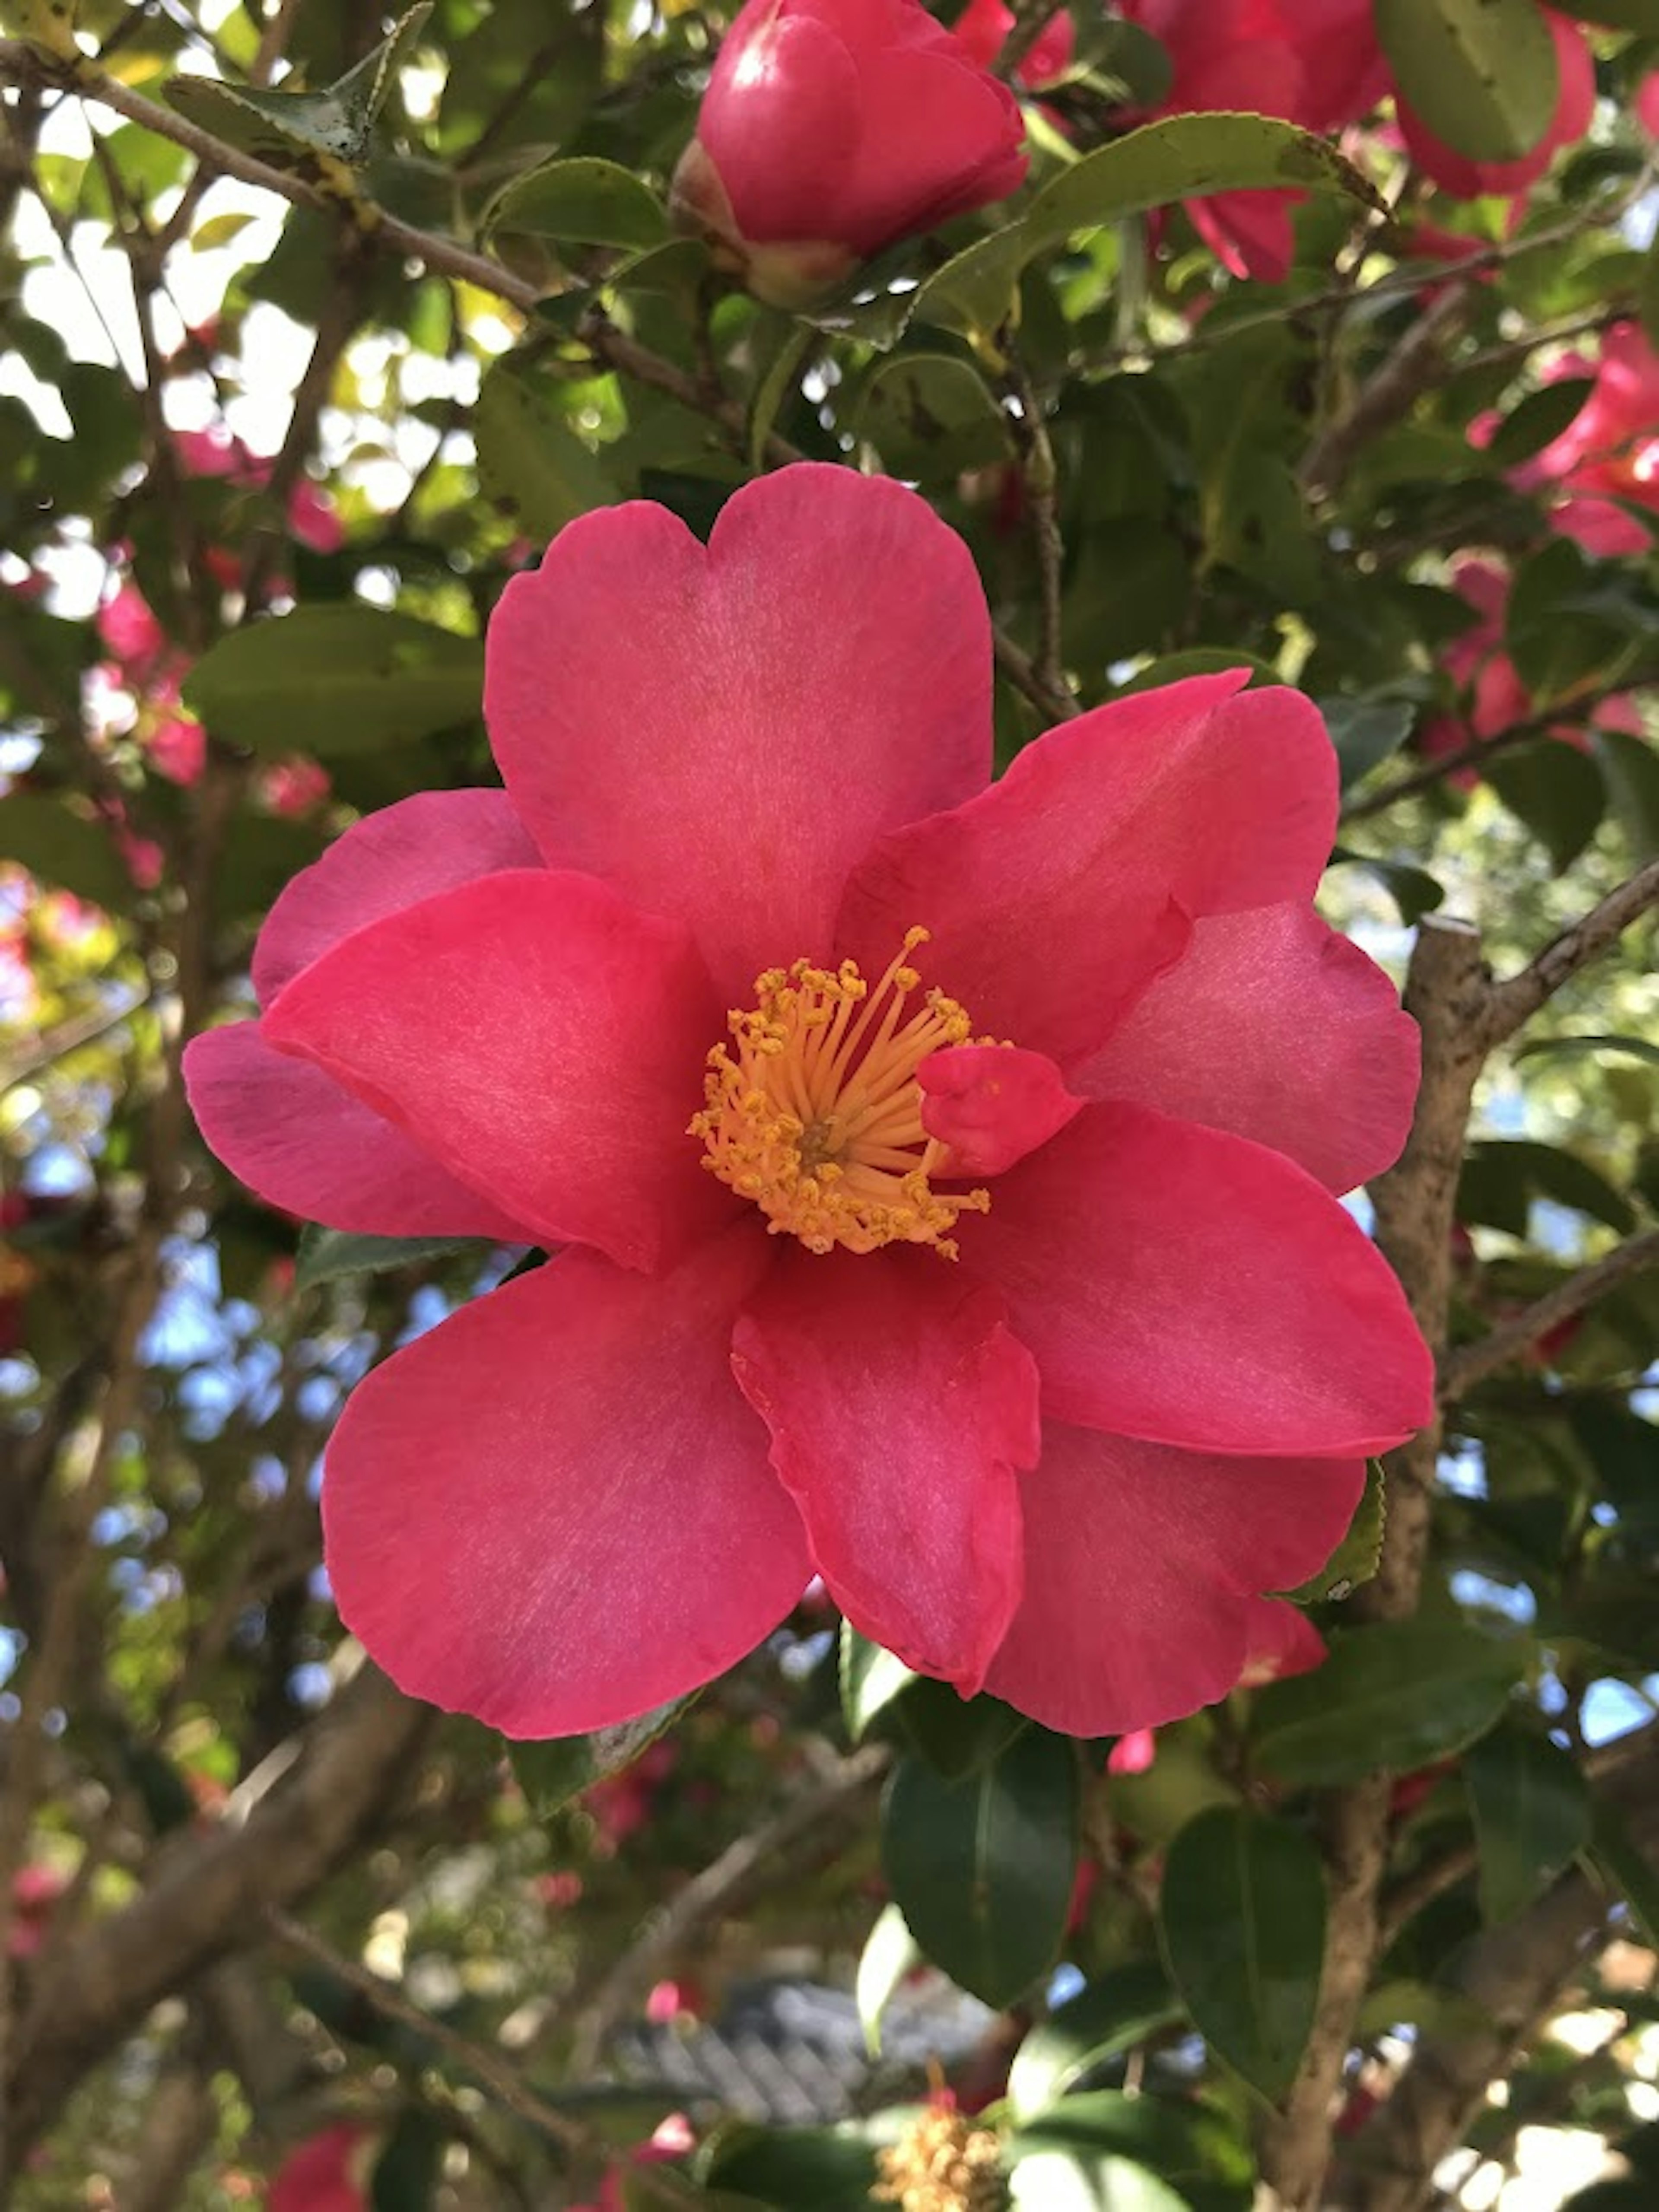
x,y
813,1110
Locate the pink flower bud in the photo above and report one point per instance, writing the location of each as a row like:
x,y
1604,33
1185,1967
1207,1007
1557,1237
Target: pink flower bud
x,y
832,128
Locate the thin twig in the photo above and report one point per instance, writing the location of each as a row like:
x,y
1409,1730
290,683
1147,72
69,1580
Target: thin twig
x,y
1516,1000
1471,1363
1037,459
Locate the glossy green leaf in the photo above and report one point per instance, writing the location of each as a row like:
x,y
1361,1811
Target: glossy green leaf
x,y
329,1255
1191,2146
1106,2018
1395,1696
1626,1868
530,463
889,1953
1641,16
1480,74
347,677
64,849
807,2169
1556,791
584,201
1413,891
1540,417
870,1680
552,1773
1568,1047
1084,2181
982,1869
1366,733
1629,767
930,415
1354,1560
335,122
1532,1816
1182,157
1242,1916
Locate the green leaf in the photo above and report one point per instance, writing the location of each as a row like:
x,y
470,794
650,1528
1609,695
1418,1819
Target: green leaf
x,y
1413,891
342,679
1641,16
982,1868
1106,2018
336,122
328,1255
552,1772
870,1680
406,2173
929,415
585,201
1365,732
1073,2181
1243,1915
1183,157
1354,1560
1532,1816
890,1952
64,849
1395,1696
1630,768
1190,2146
49,24
1625,1867
807,2169
1538,419
1480,74
1629,1048
530,463
1555,790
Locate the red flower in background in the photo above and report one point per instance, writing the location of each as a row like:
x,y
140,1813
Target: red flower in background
x,y
1467,179
327,2173
983,26
1609,451
1063,1466
831,128
35,1892
1315,63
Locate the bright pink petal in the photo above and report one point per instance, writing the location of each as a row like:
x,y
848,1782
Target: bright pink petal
x,y
542,1038
1055,896
1280,1640
388,861
820,673
900,1408
1274,1027
1181,1284
298,1141
1601,527
554,1512
781,124
1250,233
991,1104
938,139
1142,1570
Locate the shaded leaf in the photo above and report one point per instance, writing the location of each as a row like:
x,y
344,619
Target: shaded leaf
x,y
63,849
1481,73
1532,1816
530,463
1354,1560
1105,2018
1397,1696
339,678
328,1255
982,1869
1243,1915
552,1773
585,201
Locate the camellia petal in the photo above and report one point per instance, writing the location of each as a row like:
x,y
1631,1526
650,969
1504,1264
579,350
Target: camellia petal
x,y
900,1408
287,1131
819,673
1181,1284
389,861
1255,996
555,1510
538,1035
1055,897
991,1104
1142,1571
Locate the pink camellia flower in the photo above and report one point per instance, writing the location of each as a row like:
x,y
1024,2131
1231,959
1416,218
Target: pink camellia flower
x,y
983,26
833,128
1278,1641
1467,179
1497,698
1315,62
328,2173
1048,1355
217,451
1609,451
36,1889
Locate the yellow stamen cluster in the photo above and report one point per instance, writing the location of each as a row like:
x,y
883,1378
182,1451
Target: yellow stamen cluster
x,y
814,1110
941,2163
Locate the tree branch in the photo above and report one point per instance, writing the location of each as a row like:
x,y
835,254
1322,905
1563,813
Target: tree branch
x,y
1515,1000
1471,1363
